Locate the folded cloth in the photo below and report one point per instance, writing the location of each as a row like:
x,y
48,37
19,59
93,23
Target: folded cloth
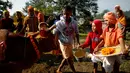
x,y
2,50
108,62
96,59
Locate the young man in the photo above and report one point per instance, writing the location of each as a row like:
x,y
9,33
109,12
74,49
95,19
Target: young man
x,y
111,36
65,29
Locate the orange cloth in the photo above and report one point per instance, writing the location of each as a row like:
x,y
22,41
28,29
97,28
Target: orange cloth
x,y
66,50
35,46
122,20
110,16
40,17
2,50
31,23
56,52
111,38
30,9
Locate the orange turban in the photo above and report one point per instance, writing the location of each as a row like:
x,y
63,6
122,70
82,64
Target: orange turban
x,y
110,16
30,9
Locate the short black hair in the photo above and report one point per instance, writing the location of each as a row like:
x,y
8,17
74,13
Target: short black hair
x,y
68,8
18,12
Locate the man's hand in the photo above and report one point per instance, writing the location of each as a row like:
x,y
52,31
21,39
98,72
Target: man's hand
x,y
95,50
124,51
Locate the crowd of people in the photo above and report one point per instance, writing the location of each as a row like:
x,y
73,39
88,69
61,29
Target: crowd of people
x,y
112,35
65,29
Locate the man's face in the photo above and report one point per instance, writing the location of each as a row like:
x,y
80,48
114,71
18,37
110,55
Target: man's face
x,y
106,21
43,26
31,12
118,14
67,13
19,15
117,9
93,27
6,14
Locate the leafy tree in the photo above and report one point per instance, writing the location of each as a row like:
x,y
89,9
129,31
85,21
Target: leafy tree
x,y
81,8
4,5
127,13
100,16
45,6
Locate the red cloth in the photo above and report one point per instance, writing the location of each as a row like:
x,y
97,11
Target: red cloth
x,y
98,25
92,40
2,50
7,23
43,33
40,17
35,47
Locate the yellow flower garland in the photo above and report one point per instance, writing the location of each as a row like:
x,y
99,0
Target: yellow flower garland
x,y
35,46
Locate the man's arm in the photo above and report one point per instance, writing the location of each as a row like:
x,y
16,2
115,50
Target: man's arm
x,y
99,45
122,44
52,27
77,37
76,32
24,26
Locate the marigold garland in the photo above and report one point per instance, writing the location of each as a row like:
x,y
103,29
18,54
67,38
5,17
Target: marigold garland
x,y
107,51
35,46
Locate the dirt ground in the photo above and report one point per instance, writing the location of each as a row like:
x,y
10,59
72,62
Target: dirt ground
x,y
49,64
84,66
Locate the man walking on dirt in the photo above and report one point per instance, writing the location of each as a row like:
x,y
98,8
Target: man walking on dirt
x,y
65,30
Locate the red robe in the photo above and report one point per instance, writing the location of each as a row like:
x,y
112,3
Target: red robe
x,y
92,40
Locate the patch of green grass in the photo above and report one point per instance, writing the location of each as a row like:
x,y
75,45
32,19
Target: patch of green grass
x,y
83,34
82,37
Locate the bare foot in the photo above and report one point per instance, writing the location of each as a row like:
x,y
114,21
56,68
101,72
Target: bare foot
x,y
58,71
